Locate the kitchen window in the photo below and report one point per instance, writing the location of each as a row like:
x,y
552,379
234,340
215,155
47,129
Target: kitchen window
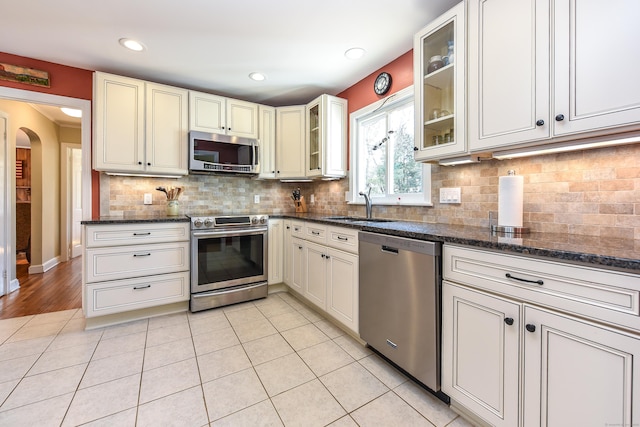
x,y
382,154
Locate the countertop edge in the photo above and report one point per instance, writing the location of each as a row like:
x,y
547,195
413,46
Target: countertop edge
x,y
522,246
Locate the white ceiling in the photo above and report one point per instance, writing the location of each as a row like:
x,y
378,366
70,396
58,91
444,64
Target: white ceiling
x,y
213,45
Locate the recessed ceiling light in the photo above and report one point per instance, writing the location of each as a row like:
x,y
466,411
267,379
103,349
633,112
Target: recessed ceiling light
x,y
72,112
257,76
132,44
354,53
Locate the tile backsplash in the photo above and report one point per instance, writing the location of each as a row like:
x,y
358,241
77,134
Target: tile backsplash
x,y
593,192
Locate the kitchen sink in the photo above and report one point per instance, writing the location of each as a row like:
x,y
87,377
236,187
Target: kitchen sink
x,y
358,219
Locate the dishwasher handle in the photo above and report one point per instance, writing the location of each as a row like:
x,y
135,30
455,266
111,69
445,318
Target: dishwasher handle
x,y
389,250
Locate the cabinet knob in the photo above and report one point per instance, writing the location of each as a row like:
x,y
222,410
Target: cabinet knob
x,y
508,320
300,247
327,256
288,228
540,123
415,148
559,117
530,327
148,164
139,163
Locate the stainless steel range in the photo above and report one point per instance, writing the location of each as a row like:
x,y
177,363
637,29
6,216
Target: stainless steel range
x,y
228,260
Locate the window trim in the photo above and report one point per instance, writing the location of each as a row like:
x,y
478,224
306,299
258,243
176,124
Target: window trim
x,y
354,117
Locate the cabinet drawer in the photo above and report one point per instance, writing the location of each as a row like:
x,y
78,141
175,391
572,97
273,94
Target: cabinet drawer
x,y
297,229
133,234
315,232
123,262
132,294
345,239
607,295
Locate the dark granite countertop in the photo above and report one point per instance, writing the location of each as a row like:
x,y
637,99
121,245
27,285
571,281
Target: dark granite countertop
x,y
618,254
136,219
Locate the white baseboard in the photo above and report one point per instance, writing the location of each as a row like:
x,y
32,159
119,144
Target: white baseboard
x,y
14,285
48,265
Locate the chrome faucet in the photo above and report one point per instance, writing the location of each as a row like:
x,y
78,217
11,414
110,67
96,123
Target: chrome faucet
x,y
367,201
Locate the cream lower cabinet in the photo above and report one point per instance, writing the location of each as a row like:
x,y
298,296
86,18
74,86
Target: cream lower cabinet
x,y
134,266
480,357
533,343
323,268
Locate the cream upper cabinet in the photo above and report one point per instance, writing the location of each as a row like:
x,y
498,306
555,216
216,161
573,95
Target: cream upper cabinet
x,y
540,73
596,80
139,127
439,78
508,72
267,142
326,137
290,142
217,114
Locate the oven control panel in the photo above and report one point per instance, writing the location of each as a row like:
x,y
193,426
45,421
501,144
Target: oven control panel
x,y
208,222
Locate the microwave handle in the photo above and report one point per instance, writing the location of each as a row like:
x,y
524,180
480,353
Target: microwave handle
x,y
256,162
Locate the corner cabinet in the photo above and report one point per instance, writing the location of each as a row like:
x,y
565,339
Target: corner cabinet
x,y
326,137
439,77
227,116
139,127
538,73
527,342
290,142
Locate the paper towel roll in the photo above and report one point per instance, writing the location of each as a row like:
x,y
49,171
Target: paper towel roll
x,y
510,201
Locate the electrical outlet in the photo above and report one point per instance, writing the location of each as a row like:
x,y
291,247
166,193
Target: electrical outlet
x,y
147,200
312,198
256,198
450,195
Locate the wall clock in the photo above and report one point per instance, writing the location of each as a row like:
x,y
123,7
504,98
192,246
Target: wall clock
x,y
382,83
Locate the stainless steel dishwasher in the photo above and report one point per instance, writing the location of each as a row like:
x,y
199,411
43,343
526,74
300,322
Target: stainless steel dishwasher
x,y
400,302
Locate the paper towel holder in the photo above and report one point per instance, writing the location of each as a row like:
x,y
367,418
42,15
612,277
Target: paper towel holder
x,y
506,230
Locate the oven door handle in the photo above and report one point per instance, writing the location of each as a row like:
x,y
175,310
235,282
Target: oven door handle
x,y
230,233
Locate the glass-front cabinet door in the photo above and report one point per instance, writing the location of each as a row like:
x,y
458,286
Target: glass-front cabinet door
x,y
326,137
313,129
439,73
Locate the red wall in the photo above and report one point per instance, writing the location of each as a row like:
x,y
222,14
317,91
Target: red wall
x,y
361,94
65,81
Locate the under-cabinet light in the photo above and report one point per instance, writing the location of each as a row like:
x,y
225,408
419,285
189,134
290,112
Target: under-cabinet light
x,y
584,144
459,160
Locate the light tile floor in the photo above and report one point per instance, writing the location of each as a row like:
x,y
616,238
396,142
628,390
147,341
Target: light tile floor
x,y
270,362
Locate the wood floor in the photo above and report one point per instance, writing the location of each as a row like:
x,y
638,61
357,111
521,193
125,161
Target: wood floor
x,y
58,289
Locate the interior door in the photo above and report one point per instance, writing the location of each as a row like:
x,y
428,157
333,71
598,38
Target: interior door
x,y
3,204
76,202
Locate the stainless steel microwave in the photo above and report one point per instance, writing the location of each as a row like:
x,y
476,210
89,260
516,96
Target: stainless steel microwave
x,y
210,152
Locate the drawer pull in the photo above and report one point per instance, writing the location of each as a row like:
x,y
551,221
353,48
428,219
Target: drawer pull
x,y
315,233
392,344
141,255
148,233
537,282
530,327
141,287
508,320
343,238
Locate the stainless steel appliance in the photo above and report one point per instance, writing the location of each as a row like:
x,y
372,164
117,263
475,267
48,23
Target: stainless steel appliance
x,y
228,260
400,282
210,152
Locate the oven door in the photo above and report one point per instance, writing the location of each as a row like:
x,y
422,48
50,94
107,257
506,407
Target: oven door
x,y
227,258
